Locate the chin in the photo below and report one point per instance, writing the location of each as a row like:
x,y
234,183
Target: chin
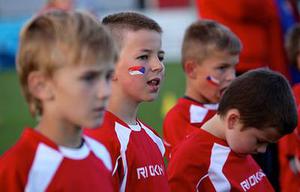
x,y
95,124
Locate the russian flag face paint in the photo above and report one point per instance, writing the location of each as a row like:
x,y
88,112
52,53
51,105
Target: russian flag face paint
x,y
136,70
213,81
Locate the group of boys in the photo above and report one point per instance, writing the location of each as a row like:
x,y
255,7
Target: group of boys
x,y
66,64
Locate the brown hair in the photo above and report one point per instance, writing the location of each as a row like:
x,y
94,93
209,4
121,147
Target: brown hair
x,y
58,38
263,98
120,22
292,44
204,36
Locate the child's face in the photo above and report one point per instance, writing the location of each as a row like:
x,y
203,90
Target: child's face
x,y
80,93
250,140
214,75
140,69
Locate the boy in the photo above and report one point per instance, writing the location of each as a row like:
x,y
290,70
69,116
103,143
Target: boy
x,y
257,108
65,63
289,163
136,151
210,52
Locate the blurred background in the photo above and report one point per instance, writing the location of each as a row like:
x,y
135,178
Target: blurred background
x,y
173,15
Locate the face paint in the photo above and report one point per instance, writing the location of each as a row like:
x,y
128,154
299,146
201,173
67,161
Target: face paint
x,y
136,70
213,81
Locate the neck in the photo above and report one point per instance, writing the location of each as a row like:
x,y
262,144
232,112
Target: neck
x,y
123,107
215,126
61,133
191,93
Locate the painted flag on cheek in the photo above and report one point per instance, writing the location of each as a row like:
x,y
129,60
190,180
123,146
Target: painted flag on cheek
x,y
213,81
136,70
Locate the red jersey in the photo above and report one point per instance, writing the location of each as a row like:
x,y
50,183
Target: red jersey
x,y
137,155
289,147
203,162
185,117
36,163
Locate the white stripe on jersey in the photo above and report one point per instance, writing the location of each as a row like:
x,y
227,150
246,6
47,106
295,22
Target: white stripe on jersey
x,y
155,138
123,134
100,151
218,158
197,113
45,164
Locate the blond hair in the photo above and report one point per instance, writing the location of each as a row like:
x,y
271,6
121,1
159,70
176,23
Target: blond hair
x,y
205,36
57,38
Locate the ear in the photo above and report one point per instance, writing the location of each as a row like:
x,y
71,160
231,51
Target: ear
x,y
232,118
39,87
190,67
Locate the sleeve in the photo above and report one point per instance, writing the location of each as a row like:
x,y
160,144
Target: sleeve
x,y
174,130
10,176
244,10
185,170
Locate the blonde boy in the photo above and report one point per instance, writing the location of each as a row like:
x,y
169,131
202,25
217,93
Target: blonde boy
x,y
210,53
135,148
65,63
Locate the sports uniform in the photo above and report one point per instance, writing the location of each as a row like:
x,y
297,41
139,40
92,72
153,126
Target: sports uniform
x,y
36,163
137,155
185,117
204,162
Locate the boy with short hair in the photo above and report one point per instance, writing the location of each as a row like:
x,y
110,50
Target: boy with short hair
x,y
210,53
136,150
257,108
289,146
65,63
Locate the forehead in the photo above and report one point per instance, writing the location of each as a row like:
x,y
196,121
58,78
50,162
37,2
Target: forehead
x,y
141,39
215,58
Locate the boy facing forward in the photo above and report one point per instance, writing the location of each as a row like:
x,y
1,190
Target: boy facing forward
x,y
258,108
210,52
136,150
65,63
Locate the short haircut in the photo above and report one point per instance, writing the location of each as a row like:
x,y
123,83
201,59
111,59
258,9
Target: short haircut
x,y
203,37
121,22
292,44
263,98
56,38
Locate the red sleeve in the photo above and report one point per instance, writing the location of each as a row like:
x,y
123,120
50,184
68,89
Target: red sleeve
x,y
243,10
10,178
14,168
186,168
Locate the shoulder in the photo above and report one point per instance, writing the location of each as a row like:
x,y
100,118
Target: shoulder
x,y
100,151
15,165
196,141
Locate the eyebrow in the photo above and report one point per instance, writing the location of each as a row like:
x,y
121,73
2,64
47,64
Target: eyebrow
x,y
150,51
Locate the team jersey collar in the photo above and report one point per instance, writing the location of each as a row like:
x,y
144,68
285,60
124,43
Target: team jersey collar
x,y
213,106
114,118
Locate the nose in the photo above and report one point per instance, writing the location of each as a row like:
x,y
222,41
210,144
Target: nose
x,y
262,148
104,89
157,65
230,76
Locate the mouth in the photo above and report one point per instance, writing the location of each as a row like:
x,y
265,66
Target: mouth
x,y
154,84
99,109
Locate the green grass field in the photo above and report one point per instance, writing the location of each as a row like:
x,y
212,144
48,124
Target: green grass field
x,y
14,115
